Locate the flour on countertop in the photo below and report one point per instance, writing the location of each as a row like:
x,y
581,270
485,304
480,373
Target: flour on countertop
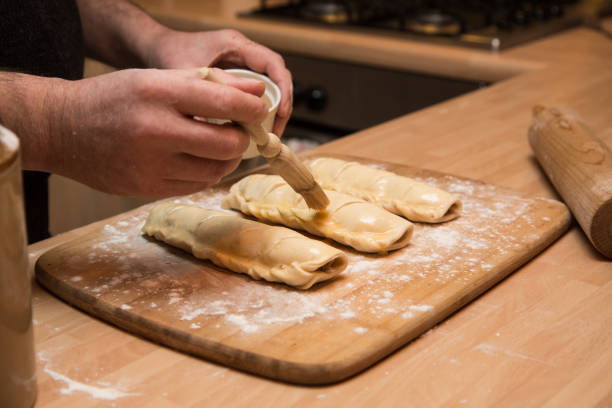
x,y
105,392
370,287
492,350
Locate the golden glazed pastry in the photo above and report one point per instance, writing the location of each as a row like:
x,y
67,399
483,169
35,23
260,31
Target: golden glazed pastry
x,y
348,220
401,195
261,251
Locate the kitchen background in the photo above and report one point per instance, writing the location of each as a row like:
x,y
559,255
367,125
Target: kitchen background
x,y
333,97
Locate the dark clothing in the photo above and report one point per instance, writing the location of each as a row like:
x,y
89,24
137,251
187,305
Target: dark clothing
x,y
45,38
42,37
36,200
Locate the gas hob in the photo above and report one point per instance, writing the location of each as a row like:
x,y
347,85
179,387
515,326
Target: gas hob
x,y
490,25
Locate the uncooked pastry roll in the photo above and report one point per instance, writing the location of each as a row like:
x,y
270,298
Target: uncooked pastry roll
x,y
348,220
401,195
262,251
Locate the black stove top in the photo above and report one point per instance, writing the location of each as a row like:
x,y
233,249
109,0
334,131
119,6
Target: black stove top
x,y
491,24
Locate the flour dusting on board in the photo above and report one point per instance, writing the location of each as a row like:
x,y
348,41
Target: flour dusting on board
x,y
369,291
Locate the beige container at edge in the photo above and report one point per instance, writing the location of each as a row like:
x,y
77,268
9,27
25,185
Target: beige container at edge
x,y
17,360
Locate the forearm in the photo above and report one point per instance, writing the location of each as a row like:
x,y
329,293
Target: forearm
x,y
31,107
118,32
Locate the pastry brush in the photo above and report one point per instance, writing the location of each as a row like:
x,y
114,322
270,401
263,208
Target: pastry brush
x,y
282,160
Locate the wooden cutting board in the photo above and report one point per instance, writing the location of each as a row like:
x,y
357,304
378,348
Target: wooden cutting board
x,y
322,335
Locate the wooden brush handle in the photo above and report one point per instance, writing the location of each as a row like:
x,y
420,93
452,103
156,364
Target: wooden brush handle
x,y
268,144
579,165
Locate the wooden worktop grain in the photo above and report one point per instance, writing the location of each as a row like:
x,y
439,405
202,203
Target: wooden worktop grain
x,y
542,337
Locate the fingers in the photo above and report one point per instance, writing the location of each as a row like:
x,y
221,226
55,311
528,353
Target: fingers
x,y
205,140
185,174
169,188
280,123
264,60
195,97
184,167
282,77
131,135
249,85
257,88
170,132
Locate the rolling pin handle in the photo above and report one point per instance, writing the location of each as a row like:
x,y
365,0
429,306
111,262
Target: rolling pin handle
x,y
579,165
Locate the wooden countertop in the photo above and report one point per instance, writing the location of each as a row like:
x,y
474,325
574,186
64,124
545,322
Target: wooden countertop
x,y
542,337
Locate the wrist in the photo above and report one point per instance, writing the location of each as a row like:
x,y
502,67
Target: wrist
x,y
34,109
158,47
119,33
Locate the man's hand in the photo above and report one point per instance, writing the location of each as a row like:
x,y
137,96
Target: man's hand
x,y
132,132
121,34
224,49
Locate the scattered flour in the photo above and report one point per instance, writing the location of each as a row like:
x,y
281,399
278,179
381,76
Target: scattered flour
x,y
420,308
243,322
416,308
174,299
217,307
372,285
360,330
106,392
492,350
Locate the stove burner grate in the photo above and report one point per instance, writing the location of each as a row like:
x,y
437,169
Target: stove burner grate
x,y
479,23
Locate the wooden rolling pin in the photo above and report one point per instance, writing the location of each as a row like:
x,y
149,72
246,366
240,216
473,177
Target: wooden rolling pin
x,y
281,158
579,165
